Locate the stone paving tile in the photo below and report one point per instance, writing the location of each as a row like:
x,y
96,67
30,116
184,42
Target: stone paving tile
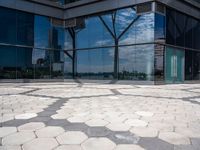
x,y
118,127
155,144
40,144
69,147
98,144
10,147
71,137
96,122
136,123
174,138
50,131
32,126
144,131
26,116
144,113
18,138
128,147
4,131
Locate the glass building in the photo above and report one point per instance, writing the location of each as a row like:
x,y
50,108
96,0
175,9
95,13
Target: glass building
x,y
56,40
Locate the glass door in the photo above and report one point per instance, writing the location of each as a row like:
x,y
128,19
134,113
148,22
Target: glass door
x,y
174,65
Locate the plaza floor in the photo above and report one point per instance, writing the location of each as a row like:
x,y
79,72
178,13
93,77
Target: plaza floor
x,y
75,116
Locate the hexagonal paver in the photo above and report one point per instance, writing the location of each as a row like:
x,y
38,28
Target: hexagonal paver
x,y
118,127
69,147
18,138
72,137
32,126
60,116
77,119
136,123
26,116
96,122
49,131
10,147
144,113
41,144
4,131
174,138
129,147
145,131
98,144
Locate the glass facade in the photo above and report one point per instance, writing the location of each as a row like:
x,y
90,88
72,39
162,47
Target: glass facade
x,y
30,46
183,32
117,45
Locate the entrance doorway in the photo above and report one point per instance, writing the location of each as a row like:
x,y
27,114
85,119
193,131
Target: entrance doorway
x,y
174,65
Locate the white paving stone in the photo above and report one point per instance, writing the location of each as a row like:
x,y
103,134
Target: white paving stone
x,y
136,123
96,122
10,147
50,131
32,126
18,138
128,147
69,147
4,131
144,113
118,127
174,138
26,116
41,144
98,144
72,137
144,131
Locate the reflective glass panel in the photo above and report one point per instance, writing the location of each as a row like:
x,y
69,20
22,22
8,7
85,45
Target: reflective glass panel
x,y
7,26
25,68
136,62
68,64
42,32
25,28
8,62
57,64
95,64
145,28
41,61
159,28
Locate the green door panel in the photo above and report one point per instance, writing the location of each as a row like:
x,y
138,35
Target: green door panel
x,y
174,65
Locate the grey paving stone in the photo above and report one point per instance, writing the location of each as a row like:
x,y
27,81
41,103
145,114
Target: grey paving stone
x,y
155,144
57,122
123,138
174,138
14,123
40,119
195,142
185,147
76,127
97,132
46,113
